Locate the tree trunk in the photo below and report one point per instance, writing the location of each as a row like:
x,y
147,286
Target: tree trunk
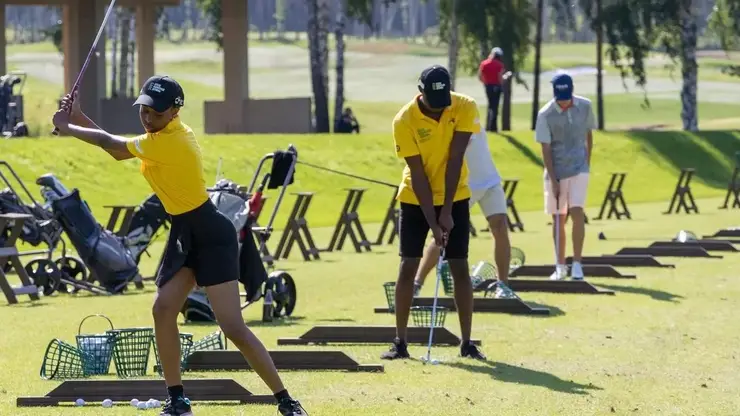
x,y
339,37
453,45
689,66
537,60
124,27
599,66
318,51
114,54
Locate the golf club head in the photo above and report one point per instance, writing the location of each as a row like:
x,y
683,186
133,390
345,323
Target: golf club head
x,y
432,361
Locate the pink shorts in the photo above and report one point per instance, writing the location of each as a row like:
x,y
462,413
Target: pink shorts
x,y
572,194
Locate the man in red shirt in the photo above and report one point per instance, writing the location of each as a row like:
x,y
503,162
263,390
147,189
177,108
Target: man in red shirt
x,y
491,74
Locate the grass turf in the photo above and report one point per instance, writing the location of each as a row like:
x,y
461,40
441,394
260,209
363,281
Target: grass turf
x,y
663,345
652,158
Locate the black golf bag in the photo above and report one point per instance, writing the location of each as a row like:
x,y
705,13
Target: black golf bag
x,y
11,111
102,251
35,232
145,223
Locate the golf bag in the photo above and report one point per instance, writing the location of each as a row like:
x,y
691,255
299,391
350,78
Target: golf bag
x,y
102,251
145,223
35,232
11,112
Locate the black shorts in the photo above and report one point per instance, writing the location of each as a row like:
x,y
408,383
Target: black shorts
x,y
203,240
414,228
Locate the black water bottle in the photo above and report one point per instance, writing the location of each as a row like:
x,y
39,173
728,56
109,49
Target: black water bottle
x,y
267,308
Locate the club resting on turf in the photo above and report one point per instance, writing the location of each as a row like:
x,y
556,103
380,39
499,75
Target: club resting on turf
x,y
557,227
428,358
94,46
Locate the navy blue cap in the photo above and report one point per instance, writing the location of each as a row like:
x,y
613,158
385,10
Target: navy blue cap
x,y
161,93
434,83
562,86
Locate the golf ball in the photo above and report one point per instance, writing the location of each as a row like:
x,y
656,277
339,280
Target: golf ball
x,y
134,402
141,405
107,403
156,403
79,402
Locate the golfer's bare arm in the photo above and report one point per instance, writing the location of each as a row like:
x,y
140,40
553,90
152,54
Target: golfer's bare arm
x,y
422,188
543,136
84,121
114,145
458,146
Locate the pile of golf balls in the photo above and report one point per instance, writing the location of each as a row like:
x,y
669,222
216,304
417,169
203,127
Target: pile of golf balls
x,y
148,404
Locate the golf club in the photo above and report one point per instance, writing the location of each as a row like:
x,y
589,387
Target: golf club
x,y
94,46
557,226
428,358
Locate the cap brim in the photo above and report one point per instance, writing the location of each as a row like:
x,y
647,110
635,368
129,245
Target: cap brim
x,y
439,100
149,102
563,96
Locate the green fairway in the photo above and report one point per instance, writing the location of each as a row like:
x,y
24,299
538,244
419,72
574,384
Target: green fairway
x,y
652,159
664,345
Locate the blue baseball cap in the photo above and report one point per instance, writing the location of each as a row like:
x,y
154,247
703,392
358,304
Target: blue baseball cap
x,y
562,86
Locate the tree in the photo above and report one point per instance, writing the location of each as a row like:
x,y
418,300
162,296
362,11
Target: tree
x,y
212,11
339,40
724,24
633,28
318,28
504,23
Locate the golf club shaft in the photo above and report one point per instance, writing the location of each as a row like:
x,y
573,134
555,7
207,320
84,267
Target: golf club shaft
x,y
94,46
557,225
434,303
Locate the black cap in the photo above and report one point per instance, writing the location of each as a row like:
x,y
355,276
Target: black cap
x,y
434,83
161,93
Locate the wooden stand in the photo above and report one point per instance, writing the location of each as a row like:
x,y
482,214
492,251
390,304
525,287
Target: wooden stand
x,y
556,286
284,360
682,195
9,253
297,224
590,270
390,222
614,199
124,390
708,245
670,251
322,335
481,305
622,260
509,189
349,218
733,191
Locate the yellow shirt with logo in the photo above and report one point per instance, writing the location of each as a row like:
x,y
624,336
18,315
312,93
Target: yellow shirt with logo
x,y
171,163
416,134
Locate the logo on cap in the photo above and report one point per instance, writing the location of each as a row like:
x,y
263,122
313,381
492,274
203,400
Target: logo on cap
x,y
437,86
156,87
562,87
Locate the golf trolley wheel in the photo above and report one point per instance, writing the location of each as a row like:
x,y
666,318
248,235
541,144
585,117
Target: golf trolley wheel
x,y
71,268
44,274
284,293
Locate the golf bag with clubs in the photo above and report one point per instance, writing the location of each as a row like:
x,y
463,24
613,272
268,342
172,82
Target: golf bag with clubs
x,y
104,253
242,208
11,108
148,219
36,232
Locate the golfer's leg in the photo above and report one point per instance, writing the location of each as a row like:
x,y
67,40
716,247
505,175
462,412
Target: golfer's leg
x,y
428,263
554,208
576,203
492,111
413,231
493,205
496,101
502,252
167,304
457,257
226,306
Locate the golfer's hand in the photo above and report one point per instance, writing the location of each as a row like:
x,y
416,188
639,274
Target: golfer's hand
x,y
445,221
555,186
439,236
71,104
61,120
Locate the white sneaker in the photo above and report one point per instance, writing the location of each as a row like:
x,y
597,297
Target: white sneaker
x,y
560,273
576,271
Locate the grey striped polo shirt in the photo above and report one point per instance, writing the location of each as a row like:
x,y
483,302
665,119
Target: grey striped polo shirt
x,y
566,131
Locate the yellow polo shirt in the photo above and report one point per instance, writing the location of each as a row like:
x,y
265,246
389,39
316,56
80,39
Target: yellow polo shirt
x,y
171,163
416,134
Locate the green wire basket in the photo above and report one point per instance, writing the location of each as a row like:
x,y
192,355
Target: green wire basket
x,y
131,350
62,361
212,342
186,345
390,295
98,349
447,284
422,316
